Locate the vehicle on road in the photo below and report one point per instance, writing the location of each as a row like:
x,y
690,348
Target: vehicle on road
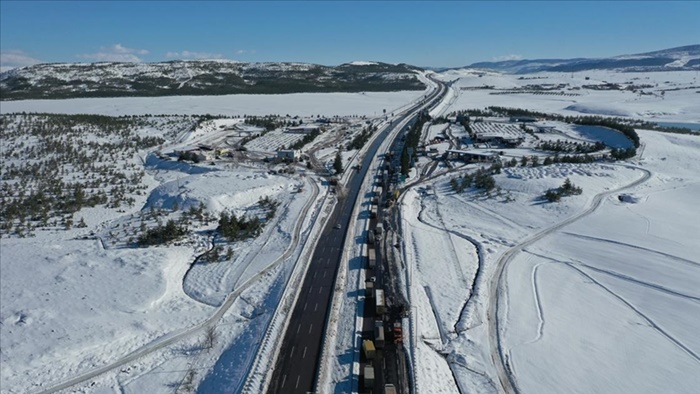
x,y
338,226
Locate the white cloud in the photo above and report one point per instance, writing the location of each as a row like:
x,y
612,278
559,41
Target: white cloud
x,y
193,55
243,51
16,58
507,57
116,53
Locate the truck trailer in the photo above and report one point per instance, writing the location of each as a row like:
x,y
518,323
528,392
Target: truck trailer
x,y
369,349
379,334
369,376
379,301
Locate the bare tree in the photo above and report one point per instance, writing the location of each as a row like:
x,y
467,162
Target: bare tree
x,y
210,337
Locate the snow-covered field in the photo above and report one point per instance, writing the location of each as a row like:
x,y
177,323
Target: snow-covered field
x,y
301,104
681,105
599,292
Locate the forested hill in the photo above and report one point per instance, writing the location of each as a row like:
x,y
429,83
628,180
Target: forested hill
x,y
212,77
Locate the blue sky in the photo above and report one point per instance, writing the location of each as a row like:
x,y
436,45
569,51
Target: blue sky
x,y
420,33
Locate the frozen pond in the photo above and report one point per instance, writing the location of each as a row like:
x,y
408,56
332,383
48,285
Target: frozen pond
x,y
609,137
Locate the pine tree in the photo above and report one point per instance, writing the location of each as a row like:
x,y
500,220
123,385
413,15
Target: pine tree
x,y
338,162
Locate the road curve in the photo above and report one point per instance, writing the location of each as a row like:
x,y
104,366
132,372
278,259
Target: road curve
x,y
171,338
505,378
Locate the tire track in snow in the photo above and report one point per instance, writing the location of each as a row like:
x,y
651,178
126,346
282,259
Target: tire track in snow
x,y
538,304
664,254
621,277
649,321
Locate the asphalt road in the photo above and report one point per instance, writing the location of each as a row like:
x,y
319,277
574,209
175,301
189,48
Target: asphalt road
x,y
297,364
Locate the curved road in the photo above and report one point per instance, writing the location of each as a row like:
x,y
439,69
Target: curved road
x,y
171,338
505,378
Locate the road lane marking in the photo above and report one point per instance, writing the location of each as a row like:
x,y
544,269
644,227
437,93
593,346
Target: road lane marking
x,y
316,307
304,355
315,273
305,305
324,273
297,386
291,353
310,327
319,292
298,328
284,379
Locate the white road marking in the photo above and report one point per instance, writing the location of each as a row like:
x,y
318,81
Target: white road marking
x,y
316,307
310,327
284,379
297,386
298,328
305,305
291,353
304,355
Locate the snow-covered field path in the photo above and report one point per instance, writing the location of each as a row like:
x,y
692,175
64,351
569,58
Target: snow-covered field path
x,y
505,376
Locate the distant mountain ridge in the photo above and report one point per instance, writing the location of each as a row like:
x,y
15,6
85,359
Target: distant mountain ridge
x,y
679,58
200,77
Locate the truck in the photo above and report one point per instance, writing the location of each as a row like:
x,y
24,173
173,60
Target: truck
x,y
379,303
379,334
378,231
368,348
371,258
398,333
389,389
369,376
369,289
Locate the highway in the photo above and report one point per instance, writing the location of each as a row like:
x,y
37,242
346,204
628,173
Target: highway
x,y
297,363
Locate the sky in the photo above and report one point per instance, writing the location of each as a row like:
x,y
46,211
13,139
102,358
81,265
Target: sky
x,y
422,33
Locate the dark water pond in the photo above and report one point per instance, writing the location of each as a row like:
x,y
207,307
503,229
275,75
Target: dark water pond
x,y
609,137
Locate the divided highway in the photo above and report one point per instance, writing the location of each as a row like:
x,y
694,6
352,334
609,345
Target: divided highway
x,y
297,363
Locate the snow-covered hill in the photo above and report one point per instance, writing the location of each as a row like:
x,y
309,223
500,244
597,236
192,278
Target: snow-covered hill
x,y
679,58
203,77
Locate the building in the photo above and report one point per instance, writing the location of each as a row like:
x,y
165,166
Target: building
x,y
523,119
303,129
288,154
471,156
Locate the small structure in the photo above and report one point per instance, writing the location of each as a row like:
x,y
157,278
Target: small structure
x,y
288,154
471,156
303,129
523,119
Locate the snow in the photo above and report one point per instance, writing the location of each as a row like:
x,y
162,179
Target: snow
x,y
607,302
678,103
302,104
362,63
